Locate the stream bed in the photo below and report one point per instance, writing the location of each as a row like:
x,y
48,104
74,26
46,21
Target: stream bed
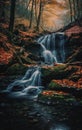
x,y
19,114
31,115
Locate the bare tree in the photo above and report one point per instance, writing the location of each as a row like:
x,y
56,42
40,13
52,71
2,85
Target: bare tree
x,y
31,15
71,10
39,15
74,10
78,8
2,10
12,15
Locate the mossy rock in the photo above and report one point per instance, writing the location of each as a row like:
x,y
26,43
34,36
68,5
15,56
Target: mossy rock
x,y
16,69
53,70
27,60
33,47
57,72
54,85
33,57
53,98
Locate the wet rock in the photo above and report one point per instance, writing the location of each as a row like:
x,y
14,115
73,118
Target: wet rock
x,y
56,72
33,47
34,57
16,69
66,86
27,60
55,98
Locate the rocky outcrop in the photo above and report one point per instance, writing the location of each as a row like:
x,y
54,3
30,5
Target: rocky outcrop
x,y
56,98
59,71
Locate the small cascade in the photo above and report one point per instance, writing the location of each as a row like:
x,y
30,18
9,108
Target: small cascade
x,y
29,85
53,51
53,48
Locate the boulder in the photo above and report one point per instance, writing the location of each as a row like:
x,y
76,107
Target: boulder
x,y
55,98
56,72
16,69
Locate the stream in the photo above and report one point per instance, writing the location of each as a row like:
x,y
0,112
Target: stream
x,y
19,107
32,115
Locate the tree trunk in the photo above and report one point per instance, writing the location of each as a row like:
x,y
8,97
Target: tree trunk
x,y
71,13
35,10
12,15
39,15
78,9
2,10
31,16
74,10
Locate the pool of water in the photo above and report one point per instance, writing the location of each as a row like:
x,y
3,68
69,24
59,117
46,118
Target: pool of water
x,y
25,114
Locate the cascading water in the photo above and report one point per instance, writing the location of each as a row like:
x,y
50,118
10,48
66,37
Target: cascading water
x,y
53,48
29,85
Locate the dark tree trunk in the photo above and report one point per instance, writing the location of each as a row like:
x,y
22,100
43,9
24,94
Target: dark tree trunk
x,y
74,10
78,9
39,16
71,12
2,10
35,10
12,15
31,16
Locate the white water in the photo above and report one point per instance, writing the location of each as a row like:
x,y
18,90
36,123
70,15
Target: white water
x,y
53,48
29,85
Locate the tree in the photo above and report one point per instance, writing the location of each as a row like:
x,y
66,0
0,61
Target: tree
x,y
71,11
31,16
2,9
78,8
12,15
39,15
74,10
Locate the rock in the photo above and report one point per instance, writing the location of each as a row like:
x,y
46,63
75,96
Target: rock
x,y
56,72
54,85
16,69
33,47
3,68
55,98
27,60
34,57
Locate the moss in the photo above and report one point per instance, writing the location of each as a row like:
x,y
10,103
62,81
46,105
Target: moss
x,y
57,72
69,99
54,85
16,69
46,72
56,98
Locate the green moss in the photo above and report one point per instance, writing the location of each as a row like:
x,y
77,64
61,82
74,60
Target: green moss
x,y
46,72
57,72
56,98
54,85
16,69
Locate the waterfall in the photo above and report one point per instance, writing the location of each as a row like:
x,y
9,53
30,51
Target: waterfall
x,y
53,48
53,51
29,85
